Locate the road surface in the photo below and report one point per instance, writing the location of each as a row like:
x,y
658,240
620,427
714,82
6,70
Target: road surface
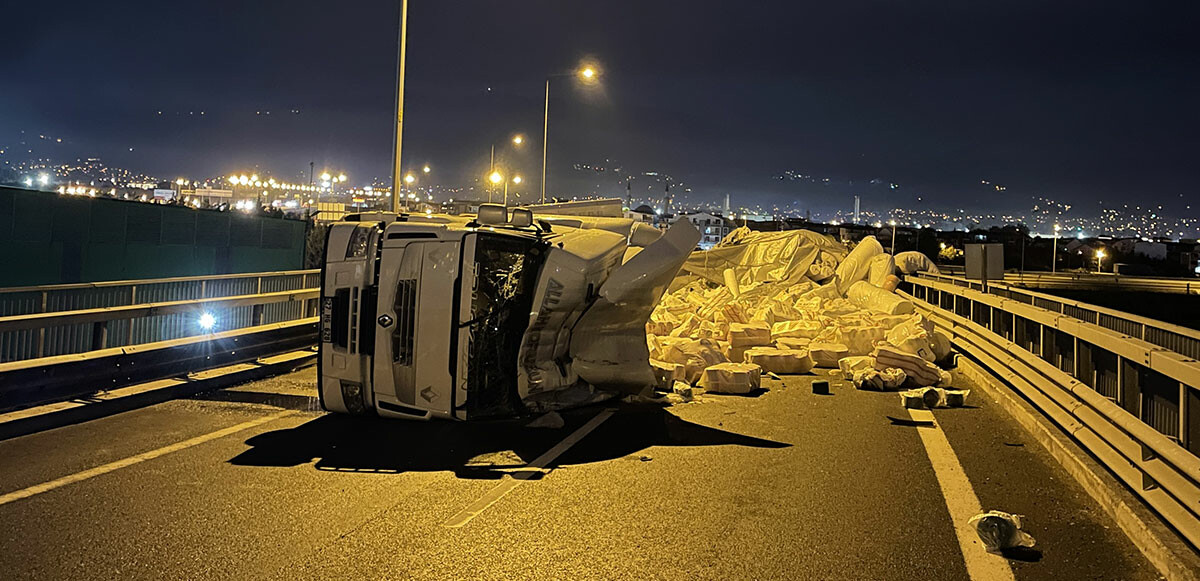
x,y
256,482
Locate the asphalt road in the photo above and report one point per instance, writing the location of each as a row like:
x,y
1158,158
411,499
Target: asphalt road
x,y
781,485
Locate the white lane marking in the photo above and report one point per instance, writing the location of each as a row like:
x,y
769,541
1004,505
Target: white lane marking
x,y
536,467
961,501
130,461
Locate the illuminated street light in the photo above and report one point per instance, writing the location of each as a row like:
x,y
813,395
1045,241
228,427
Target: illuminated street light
x,y
341,177
516,179
425,169
588,73
409,179
325,176
1100,259
893,223
518,140
43,179
496,177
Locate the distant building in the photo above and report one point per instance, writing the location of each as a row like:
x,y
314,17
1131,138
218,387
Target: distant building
x,y
1152,250
712,228
643,213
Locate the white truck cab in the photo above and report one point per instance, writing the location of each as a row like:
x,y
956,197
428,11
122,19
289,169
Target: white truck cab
x,y
468,317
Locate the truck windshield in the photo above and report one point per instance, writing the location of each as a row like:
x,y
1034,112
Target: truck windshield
x,y
506,270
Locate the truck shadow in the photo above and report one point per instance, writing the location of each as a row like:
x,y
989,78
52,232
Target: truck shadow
x,y
475,450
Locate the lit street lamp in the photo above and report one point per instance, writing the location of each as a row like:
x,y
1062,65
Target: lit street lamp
x,y
893,223
587,74
1099,259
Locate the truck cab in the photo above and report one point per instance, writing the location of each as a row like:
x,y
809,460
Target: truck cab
x,y
459,317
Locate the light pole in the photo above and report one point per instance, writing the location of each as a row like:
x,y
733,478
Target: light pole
x,y
517,140
1099,260
587,74
1054,253
402,43
893,223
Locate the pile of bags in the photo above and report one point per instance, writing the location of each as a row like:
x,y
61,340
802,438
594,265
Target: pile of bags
x,y
786,302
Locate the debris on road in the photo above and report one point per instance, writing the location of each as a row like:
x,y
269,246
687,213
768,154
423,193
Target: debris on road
x,y
933,397
820,387
1000,530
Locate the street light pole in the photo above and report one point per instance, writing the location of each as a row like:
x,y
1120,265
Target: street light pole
x,y
893,238
545,133
402,43
1054,253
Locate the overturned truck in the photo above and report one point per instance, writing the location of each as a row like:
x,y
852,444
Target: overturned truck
x,y
505,314
499,314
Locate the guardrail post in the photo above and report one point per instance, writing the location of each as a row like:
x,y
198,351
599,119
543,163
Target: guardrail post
x,y
99,335
129,328
1128,387
1190,415
41,334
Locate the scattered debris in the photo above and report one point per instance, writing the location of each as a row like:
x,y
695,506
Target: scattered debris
x,y
1000,530
932,397
549,420
820,387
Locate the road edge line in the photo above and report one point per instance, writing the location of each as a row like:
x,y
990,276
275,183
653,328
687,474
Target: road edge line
x,y
1165,551
36,489
961,501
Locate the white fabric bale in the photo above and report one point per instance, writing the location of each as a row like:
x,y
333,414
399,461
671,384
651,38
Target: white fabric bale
x,y
782,361
855,363
941,345
920,372
731,378
800,343
878,380
913,261
667,373
695,355
827,354
802,329
859,338
856,264
749,335
873,298
880,268
912,337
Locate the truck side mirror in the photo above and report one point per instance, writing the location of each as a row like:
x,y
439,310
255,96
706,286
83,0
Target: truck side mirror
x,y
521,218
492,214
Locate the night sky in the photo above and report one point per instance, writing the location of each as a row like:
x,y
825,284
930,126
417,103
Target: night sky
x,y
1075,101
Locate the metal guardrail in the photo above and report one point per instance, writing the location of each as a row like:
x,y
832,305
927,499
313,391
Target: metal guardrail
x,y
1175,338
1133,404
34,381
151,310
1102,281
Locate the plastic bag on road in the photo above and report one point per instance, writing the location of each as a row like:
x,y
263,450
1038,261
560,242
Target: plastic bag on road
x,y
1000,530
